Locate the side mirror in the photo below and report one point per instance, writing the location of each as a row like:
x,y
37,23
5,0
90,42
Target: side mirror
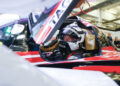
x,y
17,29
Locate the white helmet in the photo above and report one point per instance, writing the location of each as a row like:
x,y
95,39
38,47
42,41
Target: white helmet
x,y
74,31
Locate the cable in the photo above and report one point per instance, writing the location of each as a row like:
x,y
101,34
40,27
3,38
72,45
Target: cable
x,y
89,8
82,10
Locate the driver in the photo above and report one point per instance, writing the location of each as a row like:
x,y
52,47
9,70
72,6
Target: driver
x,y
71,40
69,43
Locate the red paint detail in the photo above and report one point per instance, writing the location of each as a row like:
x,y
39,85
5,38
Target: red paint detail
x,y
55,8
34,60
71,54
28,53
45,34
37,36
106,69
114,55
95,58
108,48
107,57
48,20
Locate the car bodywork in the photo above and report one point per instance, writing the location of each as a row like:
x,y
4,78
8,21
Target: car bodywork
x,y
16,71
107,56
106,59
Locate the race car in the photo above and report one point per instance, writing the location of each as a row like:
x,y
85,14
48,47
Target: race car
x,y
16,71
103,55
40,30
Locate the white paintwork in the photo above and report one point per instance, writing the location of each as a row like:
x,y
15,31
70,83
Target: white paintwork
x,y
7,18
15,71
70,77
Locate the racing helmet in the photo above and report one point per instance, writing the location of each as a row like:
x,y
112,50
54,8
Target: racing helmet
x,y
73,35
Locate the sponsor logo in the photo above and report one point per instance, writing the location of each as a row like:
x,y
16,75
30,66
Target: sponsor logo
x,y
59,12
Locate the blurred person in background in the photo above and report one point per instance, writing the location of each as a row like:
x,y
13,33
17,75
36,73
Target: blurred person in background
x,y
117,42
110,37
